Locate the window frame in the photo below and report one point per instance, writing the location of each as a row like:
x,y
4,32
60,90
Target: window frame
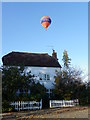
x,y
45,77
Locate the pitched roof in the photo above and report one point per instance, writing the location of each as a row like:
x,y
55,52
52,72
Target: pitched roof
x,y
30,59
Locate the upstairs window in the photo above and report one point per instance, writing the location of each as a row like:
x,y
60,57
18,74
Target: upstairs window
x,y
44,76
40,76
48,77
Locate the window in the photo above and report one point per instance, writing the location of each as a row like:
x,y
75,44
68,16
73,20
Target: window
x,y
48,77
50,90
40,76
26,90
18,92
21,90
44,76
47,90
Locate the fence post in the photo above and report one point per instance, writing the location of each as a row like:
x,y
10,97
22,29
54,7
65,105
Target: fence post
x,y
63,103
15,105
19,105
77,103
50,103
41,104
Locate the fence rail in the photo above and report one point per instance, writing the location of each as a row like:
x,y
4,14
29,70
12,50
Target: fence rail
x,y
33,105
63,103
27,105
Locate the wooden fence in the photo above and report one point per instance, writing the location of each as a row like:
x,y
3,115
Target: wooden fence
x,y
63,103
33,105
27,105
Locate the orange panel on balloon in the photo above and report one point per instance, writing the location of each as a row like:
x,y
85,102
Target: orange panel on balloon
x,y
45,24
45,17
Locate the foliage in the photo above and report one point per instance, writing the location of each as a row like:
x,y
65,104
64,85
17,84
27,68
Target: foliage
x,y
69,84
88,92
45,101
66,59
15,78
37,90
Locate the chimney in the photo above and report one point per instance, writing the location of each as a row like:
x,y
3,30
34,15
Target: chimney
x,y
54,54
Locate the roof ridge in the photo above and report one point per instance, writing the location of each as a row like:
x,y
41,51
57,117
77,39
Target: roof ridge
x,y
28,52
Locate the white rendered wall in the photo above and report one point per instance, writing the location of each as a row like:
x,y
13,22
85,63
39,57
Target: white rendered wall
x,y
44,70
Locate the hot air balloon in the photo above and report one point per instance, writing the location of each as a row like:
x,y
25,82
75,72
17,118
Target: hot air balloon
x,y
45,21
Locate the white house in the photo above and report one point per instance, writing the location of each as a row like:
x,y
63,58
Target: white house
x,y
42,66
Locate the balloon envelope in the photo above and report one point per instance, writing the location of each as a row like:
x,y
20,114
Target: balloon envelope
x,y
45,21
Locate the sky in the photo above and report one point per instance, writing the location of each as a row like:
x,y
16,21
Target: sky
x,y
22,31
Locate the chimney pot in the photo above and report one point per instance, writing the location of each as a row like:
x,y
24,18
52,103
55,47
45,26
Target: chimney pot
x,y
54,54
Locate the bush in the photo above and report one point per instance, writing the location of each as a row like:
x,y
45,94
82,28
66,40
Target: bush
x,y
6,107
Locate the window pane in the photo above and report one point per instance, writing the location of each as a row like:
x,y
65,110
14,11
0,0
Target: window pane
x,y
44,76
48,77
46,90
40,76
50,90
